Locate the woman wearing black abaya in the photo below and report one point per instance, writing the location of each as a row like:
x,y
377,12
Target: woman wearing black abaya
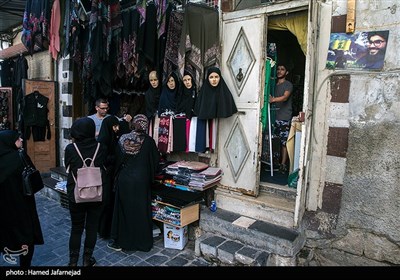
x,y
20,227
108,135
137,162
215,99
84,216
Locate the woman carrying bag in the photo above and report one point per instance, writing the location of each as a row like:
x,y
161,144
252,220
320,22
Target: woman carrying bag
x,y
20,228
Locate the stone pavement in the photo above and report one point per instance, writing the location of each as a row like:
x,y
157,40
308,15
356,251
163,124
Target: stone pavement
x,y
55,222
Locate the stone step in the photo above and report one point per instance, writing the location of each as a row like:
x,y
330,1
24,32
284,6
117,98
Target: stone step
x,y
266,207
223,251
278,190
50,191
279,241
59,173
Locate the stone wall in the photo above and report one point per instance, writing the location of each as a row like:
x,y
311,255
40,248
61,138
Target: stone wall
x,y
359,218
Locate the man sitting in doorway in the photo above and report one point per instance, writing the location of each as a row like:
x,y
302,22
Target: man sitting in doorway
x,y
283,103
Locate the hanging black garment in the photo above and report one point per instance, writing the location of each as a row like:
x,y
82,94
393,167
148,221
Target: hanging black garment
x,y
6,72
35,113
214,102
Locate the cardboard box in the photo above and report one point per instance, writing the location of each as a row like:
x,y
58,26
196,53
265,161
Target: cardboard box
x,y
175,237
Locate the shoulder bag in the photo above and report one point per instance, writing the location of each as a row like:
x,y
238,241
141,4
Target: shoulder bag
x,y
31,179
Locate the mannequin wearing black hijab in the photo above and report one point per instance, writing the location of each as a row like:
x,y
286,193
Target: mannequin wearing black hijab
x,y
169,95
214,101
19,220
152,96
187,98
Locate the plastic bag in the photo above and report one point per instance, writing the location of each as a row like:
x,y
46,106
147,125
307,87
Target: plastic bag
x,y
293,178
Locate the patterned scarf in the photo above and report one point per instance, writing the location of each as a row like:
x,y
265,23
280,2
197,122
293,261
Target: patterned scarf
x,y
131,143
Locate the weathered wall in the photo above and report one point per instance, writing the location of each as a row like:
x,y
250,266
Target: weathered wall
x,y
359,218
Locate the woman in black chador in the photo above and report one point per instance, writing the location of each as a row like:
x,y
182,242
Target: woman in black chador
x,y
215,99
108,135
137,162
20,228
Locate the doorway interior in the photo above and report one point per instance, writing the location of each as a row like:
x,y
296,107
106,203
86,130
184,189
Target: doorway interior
x,y
288,52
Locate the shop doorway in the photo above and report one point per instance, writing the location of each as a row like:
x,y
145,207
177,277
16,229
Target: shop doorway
x,y
289,53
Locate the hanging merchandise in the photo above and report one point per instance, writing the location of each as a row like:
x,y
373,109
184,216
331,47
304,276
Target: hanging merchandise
x,y
34,116
199,45
36,21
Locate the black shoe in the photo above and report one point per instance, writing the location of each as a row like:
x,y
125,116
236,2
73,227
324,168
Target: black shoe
x,y
114,246
91,261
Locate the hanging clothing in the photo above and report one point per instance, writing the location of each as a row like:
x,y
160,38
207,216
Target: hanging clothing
x,y
54,47
35,118
35,24
214,101
199,45
172,42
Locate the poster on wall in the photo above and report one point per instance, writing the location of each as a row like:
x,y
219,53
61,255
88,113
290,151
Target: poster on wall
x,y
357,51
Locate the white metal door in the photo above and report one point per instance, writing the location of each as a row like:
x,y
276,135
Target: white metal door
x,y
243,54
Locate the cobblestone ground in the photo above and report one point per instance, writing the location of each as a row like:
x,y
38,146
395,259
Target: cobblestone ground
x,y
55,224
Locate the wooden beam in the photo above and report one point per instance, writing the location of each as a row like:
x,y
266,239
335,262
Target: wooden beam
x,y
351,16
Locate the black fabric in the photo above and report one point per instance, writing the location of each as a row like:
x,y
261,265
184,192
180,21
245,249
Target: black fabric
x,y
152,99
169,96
35,113
179,134
132,226
214,102
84,216
109,138
187,99
174,196
19,220
6,72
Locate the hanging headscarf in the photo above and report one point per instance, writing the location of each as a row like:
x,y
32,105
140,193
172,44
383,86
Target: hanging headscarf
x,y
131,143
187,98
214,102
169,96
8,153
